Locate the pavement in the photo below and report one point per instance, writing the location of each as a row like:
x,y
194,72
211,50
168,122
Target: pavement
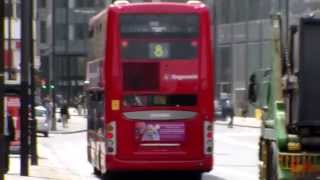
x,y
74,125
49,168
241,122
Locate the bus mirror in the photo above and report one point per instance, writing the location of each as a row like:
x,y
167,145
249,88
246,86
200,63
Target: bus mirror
x,y
252,94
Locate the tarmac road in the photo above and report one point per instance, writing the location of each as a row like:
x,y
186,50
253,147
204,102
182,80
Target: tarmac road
x,y
235,155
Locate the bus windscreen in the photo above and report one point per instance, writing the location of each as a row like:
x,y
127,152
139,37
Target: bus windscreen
x,y
159,25
160,100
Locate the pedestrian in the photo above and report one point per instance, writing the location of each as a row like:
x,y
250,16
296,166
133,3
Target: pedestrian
x,y
49,107
64,115
228,112
252,95
9,135
80,102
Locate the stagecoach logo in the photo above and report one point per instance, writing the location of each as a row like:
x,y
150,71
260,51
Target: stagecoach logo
x,y
180,77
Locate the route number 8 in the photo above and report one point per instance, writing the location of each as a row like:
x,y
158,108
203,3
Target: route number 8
x,y
158,51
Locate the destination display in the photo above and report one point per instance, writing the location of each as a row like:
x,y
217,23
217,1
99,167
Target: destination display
x,y
164,25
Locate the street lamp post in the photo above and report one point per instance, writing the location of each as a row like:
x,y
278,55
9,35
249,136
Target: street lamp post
x,y
26,54
2,163
68,56
52,67
33,123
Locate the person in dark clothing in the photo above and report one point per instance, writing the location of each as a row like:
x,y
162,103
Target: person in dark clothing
x,y
252,88
227,111
9,135
65,115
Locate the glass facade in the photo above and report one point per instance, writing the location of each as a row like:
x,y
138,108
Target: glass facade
x,y
70,39
243,45
242,30
244,40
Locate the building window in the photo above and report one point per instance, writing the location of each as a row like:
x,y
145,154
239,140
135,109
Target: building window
x,y
43,32
99,3
61,3
240,10
240,64
45,67
8,9
89,3
80,3
18,10
225,11
254,58
224,70
265,9
80,31
42,3
226,64
254,6
61,31
266,54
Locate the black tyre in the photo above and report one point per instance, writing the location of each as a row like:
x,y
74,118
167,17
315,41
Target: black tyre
x,y
272,164
46,134
195,176
96,171
110,176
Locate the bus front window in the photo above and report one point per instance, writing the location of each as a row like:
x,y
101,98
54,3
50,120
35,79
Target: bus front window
x,y
159,100
159,26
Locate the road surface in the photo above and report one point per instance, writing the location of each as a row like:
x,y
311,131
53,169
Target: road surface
x,y
235,156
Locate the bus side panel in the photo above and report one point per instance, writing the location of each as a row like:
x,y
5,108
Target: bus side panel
x,y
206,69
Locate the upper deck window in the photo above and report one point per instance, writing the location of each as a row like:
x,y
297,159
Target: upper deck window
x,y
159,25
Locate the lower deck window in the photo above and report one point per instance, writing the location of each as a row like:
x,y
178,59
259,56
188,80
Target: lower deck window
x,y
159,100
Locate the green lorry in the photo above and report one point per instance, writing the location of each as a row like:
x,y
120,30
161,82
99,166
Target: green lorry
x,y
288,94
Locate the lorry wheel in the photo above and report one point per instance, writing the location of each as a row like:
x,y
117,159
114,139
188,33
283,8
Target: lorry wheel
x,y
272,166
263,157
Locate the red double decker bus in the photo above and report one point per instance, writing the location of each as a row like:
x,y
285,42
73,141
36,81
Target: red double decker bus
x,y
150,88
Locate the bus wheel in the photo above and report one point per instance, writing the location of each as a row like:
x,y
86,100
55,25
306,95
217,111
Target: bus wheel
x,y
108,176
196,175
96,171
272,167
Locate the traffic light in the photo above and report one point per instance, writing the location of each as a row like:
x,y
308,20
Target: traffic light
x,y
43,84
51,85
46,86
